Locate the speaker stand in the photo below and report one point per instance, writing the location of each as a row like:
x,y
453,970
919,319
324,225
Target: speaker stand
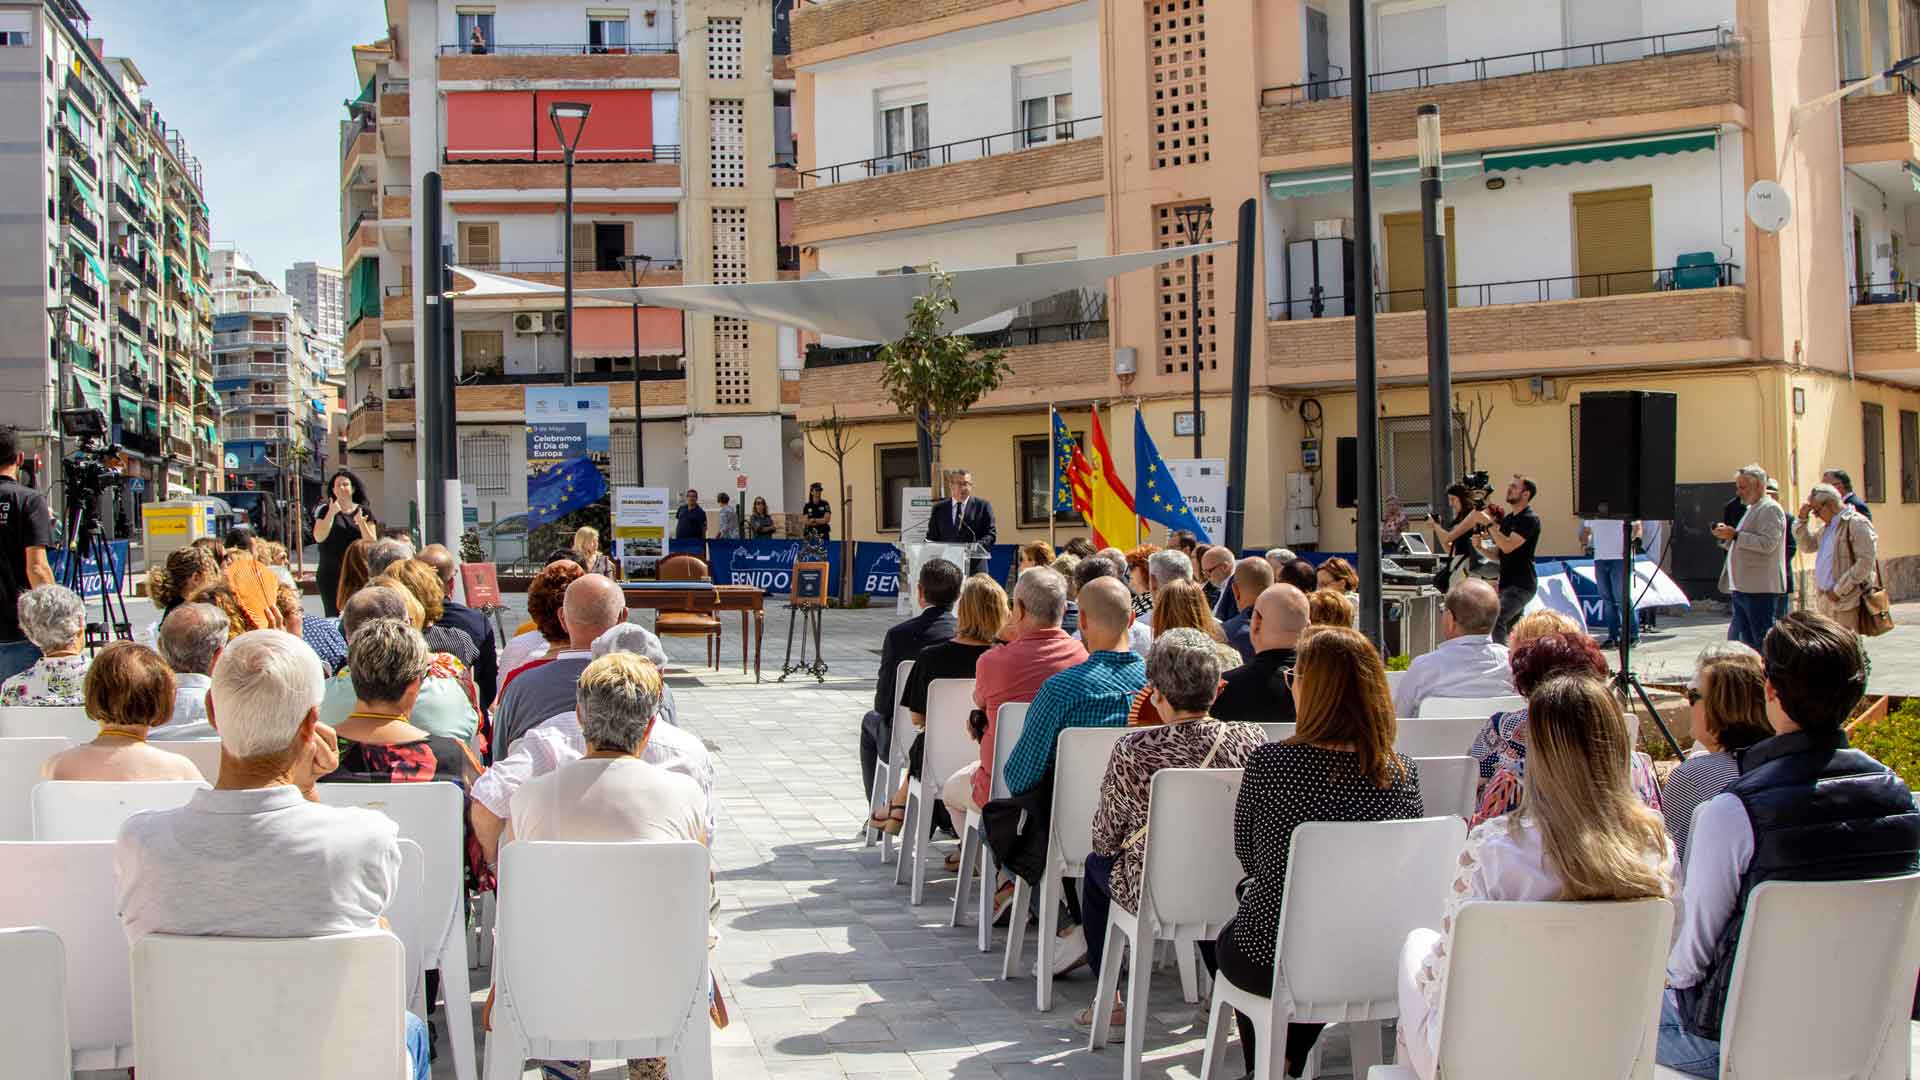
x,y
1625,682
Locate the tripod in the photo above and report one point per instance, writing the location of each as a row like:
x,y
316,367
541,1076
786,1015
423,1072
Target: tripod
x,y
1625,682
86,540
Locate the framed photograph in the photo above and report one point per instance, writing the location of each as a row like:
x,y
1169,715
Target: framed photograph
x,y
482,583
810,584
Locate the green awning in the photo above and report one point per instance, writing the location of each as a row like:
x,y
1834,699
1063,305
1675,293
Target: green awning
x,y
1584,153
139,358
1290,185
93,263
91,392
200,249
83,184
77,118
129,400
141,189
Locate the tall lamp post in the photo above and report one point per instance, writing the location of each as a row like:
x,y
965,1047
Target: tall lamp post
x,y
1195,218
564,114
636,269
1366,384
59,314
1433,238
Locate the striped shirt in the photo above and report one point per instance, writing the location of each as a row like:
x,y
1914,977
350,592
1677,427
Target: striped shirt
x,y
1093,694
1691,783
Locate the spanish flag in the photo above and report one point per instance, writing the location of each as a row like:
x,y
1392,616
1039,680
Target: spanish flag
x,y
1112,518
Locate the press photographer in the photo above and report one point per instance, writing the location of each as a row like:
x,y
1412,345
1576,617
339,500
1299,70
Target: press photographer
x,y
1464,497
26,528
1511,536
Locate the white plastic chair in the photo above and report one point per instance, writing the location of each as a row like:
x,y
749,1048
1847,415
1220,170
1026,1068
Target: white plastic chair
x,y
20,761
33,1005
1187,878
1353,892
623,975
1851,948
71,890
1448,784
227,1008
1009,721
947,748
204,753
1437,736
407,920
1567,990
429,815
1393,680
70,810
42,721
1079,766
1478,708
887,772
1279,732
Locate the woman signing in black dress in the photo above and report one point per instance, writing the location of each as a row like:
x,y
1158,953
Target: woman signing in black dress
x,y
346,517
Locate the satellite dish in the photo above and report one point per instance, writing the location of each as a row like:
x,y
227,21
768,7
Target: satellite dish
x,y
1769,206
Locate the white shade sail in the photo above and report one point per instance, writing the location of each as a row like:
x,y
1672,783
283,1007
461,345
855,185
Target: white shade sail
x,y
871,307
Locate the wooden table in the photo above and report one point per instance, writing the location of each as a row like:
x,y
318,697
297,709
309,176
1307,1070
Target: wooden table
x,y
706,598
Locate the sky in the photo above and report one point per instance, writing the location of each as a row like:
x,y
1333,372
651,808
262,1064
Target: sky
x,y
256,90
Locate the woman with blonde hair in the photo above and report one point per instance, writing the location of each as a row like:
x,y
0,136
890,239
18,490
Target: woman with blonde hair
x,y
586,550
1580,833
1340,765
423,582
186,571
1330,607
1037,553
1727,707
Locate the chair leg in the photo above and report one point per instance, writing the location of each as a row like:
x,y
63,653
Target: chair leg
x,y
1365,1037
969,852
1139,978
1016,927
989,888
922,839
1108,984
1050,885
459,1011
483,951
896,770
503,1052
1219,1023
1185,956
907,832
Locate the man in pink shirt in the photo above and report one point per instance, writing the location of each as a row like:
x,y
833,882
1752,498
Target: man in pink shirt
x,y
1014,672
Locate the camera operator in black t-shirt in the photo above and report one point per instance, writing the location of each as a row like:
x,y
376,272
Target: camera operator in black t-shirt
x,y
26,528
1514,537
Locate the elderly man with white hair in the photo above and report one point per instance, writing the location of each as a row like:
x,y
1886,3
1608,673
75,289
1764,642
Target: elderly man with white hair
x,y
258,855
1846,564
55,620
1755,573
385,553
190,640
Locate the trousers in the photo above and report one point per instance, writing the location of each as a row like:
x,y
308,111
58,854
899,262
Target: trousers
x,y
1222,956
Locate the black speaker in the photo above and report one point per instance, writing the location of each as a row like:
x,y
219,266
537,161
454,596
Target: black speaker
x,y
1346,483
1627,455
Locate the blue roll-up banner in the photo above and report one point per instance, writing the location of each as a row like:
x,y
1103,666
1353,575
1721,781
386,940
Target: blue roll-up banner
x,y
91,583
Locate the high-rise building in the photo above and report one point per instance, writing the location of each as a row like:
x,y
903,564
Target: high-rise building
x,y
1597,160
683,175
103,296
275,421
319,290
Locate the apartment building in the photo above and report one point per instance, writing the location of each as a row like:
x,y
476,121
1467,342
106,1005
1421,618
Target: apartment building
x,y
1598,154
675,182
320,292
102,210
272,383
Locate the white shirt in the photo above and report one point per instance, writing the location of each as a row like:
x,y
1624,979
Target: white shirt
x,y
1139,637
1719,847
189,710
1470,666
528,646
1606,538
1826,564
609,800
559,741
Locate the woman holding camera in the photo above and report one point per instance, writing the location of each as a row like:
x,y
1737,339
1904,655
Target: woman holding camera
x,y
344,518
1456,536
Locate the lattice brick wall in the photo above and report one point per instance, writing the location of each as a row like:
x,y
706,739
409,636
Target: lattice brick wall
x,y
1177,56
1173,310
726,41
728,164
732,358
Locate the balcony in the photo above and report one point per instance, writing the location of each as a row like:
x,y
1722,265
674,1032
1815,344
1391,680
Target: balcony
x,y
587,273
363,238
1886,330
989,174
828,31
252,370
662,172
74,213
367,425
1882,127
396,203
1536,326
357,151
250,339
241,429
129,322
77,90
78,288
575,60
1633,86
1049,362
140,442
132,210
361,335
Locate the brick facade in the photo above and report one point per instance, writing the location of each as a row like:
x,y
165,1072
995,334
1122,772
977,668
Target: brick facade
x,y
520,176
1042,176
396,207
1886,328
362,145
367,427
1319,350
1872,119
465,67
818,25
1062,370
395,106
361,334
364,240
1655,85
397,309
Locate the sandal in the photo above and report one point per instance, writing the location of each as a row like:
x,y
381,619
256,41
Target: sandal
x,y
896,819
1084,1019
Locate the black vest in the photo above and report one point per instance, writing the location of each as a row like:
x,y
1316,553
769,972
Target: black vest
x,y
1820,811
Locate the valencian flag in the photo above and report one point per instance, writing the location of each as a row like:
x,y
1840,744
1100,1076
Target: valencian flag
x,y
1160,497
1112,518
563,488
1072,476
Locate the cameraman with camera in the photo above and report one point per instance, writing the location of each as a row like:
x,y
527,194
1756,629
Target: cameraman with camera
x,y
1513,536
26,529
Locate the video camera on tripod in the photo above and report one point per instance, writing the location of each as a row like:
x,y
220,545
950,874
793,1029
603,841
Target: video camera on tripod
x,y
88,474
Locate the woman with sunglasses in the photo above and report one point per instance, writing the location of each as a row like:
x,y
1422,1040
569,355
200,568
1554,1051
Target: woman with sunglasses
x,y
1727,698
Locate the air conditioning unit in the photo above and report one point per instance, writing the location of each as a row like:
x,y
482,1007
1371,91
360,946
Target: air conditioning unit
x,y
529,322
557,322
1333,229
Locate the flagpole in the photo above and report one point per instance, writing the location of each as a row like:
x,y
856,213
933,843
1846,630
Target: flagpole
x,y
1136,484
1053,478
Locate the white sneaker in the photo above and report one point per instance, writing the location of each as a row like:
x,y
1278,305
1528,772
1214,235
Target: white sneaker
x,y
1069,951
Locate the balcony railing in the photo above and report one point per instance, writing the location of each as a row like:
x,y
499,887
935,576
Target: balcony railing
x,y
78,287
981,146
129,322
251,371
581,264
1009,338
1885,292
134,211
577,48
1483,68
139,442
241,339
492,377
79,91
73,152
1531,290
76,217
658,153
369,214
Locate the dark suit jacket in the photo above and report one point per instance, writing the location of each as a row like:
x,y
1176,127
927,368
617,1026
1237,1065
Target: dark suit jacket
x,y
976,527
1854,500
904,642
1253,694
1239,631
486,671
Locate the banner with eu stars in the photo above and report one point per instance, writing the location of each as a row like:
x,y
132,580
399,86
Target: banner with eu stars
x,y
567,442
1156,497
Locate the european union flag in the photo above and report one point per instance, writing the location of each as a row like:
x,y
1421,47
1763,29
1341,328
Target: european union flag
x,y
565,487
1156,496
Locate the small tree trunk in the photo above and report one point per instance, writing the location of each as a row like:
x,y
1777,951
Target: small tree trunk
x,y
846,537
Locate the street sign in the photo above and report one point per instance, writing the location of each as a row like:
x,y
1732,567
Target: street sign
x,y
740,481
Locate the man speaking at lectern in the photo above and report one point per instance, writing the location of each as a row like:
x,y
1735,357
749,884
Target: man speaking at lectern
x,y
962,519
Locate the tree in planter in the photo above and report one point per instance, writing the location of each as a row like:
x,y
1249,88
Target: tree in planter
x,y
834,437
934,376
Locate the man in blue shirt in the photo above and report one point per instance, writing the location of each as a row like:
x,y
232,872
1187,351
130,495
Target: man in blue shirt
x,y
1252,577
690,522
1093,694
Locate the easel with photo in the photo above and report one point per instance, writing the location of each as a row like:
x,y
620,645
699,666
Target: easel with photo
x,y
804,609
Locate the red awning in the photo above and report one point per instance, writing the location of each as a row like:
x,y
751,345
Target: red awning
x,y
487,125
599,332
619,128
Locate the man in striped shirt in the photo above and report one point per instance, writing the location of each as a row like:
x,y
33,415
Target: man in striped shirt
x,y
1092,694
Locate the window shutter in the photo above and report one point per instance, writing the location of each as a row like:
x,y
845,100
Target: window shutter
x,y
1613,235
1407,262
582,246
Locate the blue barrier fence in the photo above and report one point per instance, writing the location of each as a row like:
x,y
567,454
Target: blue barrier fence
x,y
768,564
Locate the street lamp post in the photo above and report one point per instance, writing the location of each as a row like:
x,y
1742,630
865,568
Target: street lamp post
x,y
59,314
1366,384
1195,218
1433,234
636,269
575,112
